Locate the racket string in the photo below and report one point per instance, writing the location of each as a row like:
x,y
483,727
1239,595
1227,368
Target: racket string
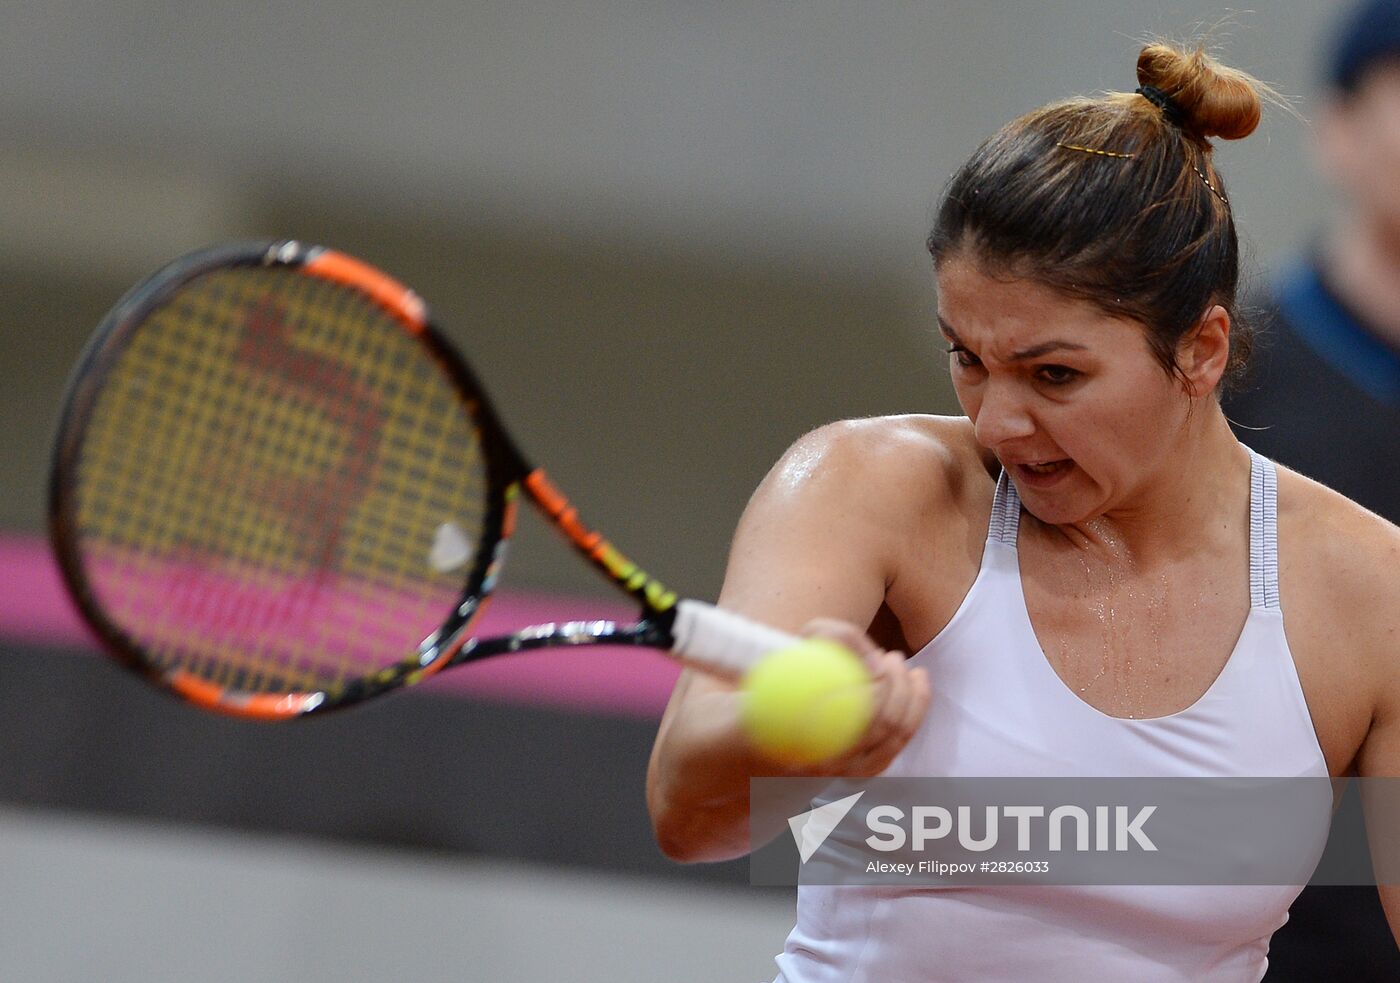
x,y
190,542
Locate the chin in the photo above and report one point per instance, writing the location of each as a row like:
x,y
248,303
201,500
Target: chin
x,y
1055,514
1064,504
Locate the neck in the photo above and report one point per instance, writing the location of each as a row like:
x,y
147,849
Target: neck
x,y
1362,262
1198,486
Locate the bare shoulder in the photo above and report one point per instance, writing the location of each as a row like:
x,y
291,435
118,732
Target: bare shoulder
x,y
1348,544
857,496
1348,559
910,462
864,519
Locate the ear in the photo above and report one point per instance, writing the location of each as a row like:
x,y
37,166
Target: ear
x,y
1204,352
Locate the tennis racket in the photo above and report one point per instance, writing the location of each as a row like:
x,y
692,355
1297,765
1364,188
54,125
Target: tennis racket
x,y
277,490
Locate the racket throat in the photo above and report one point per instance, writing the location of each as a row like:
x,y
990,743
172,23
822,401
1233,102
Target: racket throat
x,y
657,600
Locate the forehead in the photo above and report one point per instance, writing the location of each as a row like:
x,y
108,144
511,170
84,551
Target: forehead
x,y
1012,312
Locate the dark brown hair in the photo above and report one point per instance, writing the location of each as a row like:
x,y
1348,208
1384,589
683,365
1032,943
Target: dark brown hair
x,y
1114,201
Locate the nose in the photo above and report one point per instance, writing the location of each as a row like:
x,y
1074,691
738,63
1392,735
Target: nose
x,y
1001,416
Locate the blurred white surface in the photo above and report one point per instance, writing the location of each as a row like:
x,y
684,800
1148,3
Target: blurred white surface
x,y
87,899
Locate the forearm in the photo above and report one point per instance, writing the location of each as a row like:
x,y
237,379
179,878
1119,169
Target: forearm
x,y
698,781
698,784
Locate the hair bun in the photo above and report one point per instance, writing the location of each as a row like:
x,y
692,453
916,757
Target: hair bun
x,y
1214,100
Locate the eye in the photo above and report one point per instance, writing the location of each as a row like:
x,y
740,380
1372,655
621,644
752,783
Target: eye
x,y
1057,375
963,357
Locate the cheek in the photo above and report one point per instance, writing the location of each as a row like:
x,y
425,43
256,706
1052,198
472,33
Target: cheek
x,y
966,389
1145,414
1117,420
968,397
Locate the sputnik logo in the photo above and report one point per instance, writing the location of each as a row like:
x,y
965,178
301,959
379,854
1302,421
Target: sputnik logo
x,y
810,829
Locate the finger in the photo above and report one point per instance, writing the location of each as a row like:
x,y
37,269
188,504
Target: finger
x,y
890,696
906,704
918,695
923,695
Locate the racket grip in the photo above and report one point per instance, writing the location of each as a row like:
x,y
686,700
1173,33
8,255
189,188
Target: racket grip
x,y
722,642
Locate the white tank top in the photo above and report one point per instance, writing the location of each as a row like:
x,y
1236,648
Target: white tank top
x,y
1000,710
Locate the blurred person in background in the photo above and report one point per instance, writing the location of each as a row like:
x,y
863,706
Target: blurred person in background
x,y
1324,398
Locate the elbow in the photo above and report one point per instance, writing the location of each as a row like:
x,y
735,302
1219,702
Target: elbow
x,y
674,835
688,835
675,844
691,840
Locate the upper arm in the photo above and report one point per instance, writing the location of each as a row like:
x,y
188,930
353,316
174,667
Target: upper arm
x,y
1379,755
823,533
819,535
1374,603
1380,759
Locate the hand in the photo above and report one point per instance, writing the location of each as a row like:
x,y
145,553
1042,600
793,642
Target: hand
x,y
900,698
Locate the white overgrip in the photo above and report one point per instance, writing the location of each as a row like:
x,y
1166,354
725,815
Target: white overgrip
x,y
723,642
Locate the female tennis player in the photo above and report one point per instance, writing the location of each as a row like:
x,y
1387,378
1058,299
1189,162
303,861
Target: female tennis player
x,y
1091,572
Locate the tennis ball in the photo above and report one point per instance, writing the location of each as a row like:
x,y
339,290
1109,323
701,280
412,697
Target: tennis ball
x,y
807,702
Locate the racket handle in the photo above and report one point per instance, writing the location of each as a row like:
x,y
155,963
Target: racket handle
x,y
722,642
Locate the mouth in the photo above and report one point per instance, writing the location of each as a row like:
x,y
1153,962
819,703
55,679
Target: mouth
x,y
1041,474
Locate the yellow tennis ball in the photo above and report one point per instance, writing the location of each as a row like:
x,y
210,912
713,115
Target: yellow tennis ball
x,y
808,702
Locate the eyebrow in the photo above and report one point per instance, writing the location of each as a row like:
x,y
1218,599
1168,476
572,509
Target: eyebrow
x,y
1035,351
